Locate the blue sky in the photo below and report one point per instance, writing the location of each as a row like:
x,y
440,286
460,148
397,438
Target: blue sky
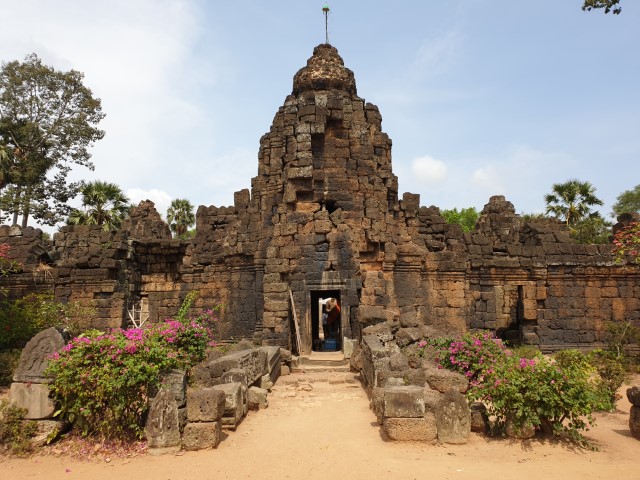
x,y
480,97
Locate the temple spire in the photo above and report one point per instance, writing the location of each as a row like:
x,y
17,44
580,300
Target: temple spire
x,y
325,10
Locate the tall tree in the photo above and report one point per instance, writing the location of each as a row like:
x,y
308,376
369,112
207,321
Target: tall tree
x,y
627,202
612,6
571,201
180,216
48,121
466,217
103,203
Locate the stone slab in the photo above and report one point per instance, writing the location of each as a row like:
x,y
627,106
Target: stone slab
x,y
236,405
201,436
411,429
205,404
404,402
163,421
257,398
453,418
34,397
34,357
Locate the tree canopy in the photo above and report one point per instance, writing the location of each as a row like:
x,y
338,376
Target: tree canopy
x,y
48,122
103,203
627,202
612,6
571,201
180,216
466,217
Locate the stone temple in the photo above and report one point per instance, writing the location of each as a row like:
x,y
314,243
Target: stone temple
x,y
323,218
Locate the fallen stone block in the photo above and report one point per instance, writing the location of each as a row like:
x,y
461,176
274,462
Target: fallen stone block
x,y
257,398
411,429
34,397
453,418
205,404
200,436
236,405
443,380
163,421
253,362
404,402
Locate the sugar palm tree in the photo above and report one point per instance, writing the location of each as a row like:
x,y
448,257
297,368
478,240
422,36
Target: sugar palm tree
x,y
180,216
572,200
103,203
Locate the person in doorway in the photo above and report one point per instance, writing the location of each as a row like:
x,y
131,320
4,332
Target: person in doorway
x,y
333,317
325,315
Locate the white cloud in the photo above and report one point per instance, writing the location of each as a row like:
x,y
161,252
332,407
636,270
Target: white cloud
x,y
429,170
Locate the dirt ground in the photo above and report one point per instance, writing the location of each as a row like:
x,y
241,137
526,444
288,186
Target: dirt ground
x,y
326,430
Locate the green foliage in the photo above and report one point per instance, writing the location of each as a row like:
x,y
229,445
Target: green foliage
x,y
627,202
101,381
621,335
591,230
23,318
8,364
571,201
608,5
555,396
526,351
612,375
466,217
103,203
15,432
626,242
48,121
180,217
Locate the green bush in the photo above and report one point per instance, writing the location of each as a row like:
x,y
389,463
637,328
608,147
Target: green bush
x,y
15,432
21,319
555,396
101,381
8,364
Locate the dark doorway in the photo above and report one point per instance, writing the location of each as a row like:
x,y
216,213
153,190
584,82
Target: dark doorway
x,y
319,342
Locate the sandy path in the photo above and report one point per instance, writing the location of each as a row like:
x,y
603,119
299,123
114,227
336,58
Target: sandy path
x,y
326,430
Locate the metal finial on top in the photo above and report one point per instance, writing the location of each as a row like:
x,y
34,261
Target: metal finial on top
x,y
325,10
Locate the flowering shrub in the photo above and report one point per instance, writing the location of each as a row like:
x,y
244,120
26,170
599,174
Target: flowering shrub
x,y
474,355
555,397
539,393
101,381
627,242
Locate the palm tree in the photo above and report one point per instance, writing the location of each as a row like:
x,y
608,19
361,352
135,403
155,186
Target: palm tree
x,y
180,216
103,203
572,200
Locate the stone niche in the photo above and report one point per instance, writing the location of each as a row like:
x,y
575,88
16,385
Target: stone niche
x,y
323,218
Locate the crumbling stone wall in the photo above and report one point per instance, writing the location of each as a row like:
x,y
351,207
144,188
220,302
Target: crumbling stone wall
x,y
323,215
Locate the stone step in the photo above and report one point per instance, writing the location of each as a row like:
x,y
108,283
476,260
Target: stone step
x,y
322,362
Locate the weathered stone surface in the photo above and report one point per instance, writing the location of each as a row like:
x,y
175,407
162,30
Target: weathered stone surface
x,y
634,421
175,381
34,397
453,418
163,423
47,431
443,380
421,429
236,405
432,399
34,357
479,418
403,402
205,404
253,362
633,394
265,382
257,398
201,436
